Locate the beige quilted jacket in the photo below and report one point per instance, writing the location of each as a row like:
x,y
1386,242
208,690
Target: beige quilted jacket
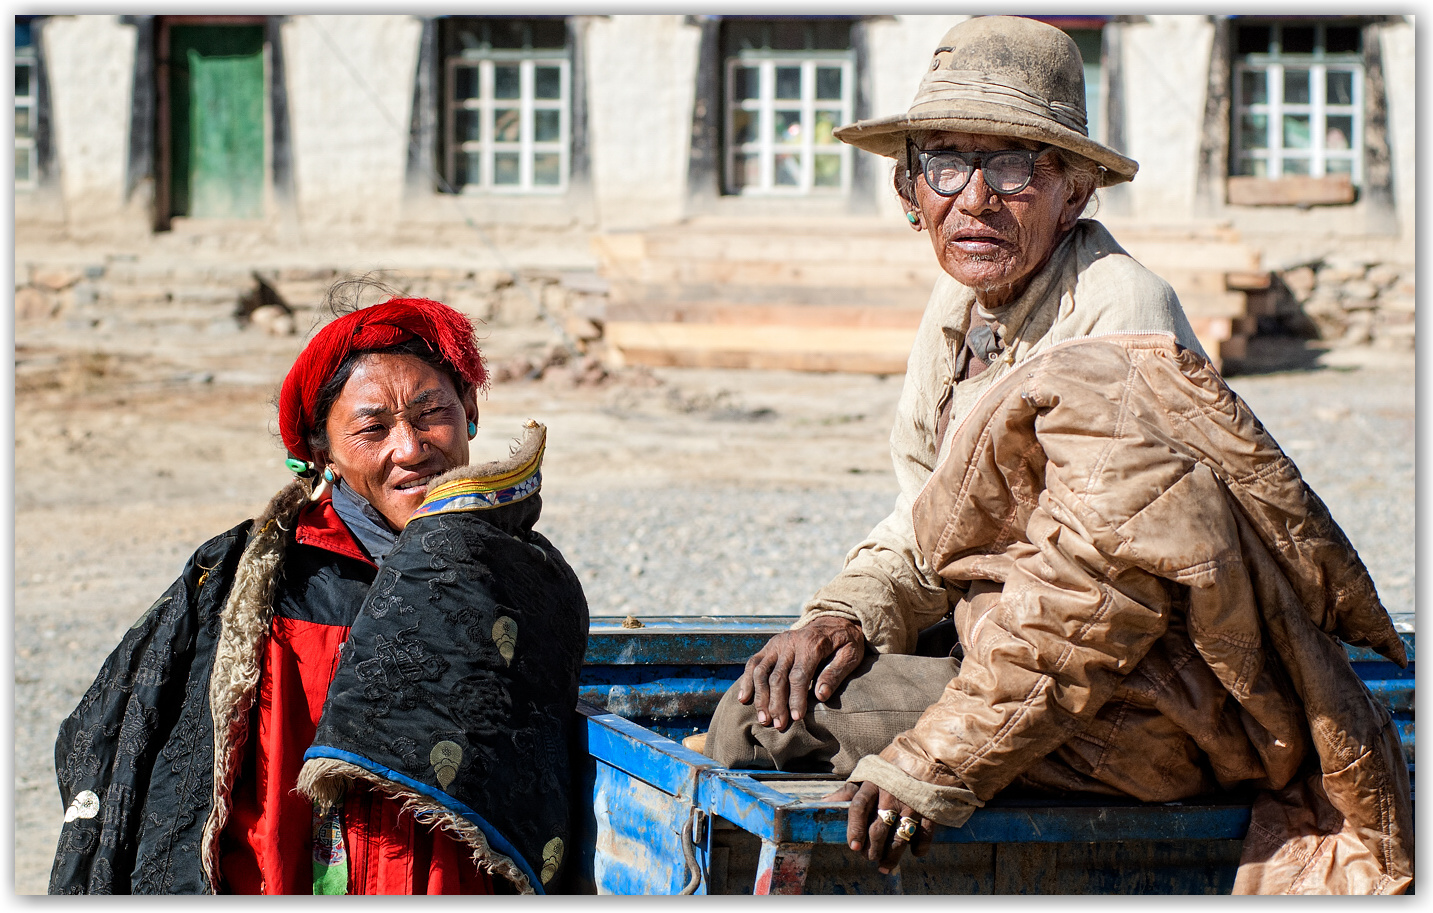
x,y
1151,602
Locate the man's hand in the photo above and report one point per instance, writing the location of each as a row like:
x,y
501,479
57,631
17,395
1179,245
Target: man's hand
x,y
779,676
867,828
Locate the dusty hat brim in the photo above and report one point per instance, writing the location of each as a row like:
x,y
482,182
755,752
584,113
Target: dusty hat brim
x,y
887,135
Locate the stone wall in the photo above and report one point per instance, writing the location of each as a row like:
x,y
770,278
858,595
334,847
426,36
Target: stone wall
x,y
1354,300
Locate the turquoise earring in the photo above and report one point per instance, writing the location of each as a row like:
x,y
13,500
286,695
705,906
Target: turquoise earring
x,y
328,475
472,429
912,217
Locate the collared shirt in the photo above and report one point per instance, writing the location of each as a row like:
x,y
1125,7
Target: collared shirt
x,y
365,522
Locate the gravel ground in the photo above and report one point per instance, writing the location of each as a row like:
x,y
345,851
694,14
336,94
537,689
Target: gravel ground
x,y
708,493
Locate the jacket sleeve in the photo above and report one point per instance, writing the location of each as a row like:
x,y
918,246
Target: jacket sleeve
x,y
1067,628
108,747
886,586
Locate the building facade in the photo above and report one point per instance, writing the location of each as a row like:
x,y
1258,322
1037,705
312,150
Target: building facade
x,y
1298,132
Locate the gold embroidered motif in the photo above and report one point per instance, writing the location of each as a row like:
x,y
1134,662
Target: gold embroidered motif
x,y
505,635
445,758
551,858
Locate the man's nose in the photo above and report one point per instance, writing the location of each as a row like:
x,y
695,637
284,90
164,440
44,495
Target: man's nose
x,y
976,197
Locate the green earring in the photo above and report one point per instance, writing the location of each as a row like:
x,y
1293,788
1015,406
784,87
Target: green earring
x,y
472,429
912,218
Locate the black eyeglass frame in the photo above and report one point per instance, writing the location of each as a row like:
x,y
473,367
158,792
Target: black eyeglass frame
x,y
974,160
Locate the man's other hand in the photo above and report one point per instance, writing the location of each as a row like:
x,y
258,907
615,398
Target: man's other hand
x,y
779,677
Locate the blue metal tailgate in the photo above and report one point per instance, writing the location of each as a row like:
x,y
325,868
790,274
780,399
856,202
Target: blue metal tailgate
x,y
664,819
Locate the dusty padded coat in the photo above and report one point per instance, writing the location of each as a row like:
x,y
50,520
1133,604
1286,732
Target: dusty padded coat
x,y
1155,604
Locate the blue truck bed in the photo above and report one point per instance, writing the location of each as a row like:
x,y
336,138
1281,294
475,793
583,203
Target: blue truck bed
x,y
663,819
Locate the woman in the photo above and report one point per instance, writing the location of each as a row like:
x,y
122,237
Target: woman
x,y
1071,469
369,688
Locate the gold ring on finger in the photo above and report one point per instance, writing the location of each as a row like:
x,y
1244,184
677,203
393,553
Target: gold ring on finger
x,y
907,831
887,815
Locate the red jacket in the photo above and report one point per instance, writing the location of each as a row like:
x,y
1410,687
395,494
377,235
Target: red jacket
x,y
267,843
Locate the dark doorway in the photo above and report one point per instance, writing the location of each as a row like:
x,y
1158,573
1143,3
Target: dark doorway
x,y
211,124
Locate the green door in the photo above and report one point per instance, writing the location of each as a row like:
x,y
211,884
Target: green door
x,y
216,91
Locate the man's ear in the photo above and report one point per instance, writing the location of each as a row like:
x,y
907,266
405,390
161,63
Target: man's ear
x,y
1075,204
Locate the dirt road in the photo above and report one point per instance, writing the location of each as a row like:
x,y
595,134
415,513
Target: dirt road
x,y
129,452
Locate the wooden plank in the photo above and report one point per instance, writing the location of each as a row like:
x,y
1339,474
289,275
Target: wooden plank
x,y
759,338
1292,190
1252,281
764,245
834,274
791,315
1195,281
819,362
1222,304
623,291
1222,256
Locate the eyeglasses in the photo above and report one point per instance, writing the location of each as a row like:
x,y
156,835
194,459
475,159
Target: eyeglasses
x,y
1006,171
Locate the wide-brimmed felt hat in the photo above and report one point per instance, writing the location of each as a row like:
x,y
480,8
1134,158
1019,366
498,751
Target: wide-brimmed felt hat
x,y
1004,76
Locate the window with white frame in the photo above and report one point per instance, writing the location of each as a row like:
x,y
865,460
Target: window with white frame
x,y
508,90
788,85
26,106
1298,99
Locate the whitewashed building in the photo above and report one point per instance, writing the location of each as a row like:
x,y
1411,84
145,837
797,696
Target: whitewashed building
x,y
1295,134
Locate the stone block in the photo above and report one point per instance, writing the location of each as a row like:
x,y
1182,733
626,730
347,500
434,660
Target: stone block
x,y
490,280
554,298
273,320
1300,281
591,307
445,274
472,303
1358,290
204,295
33,304
128,295
581,328
306,274
1323,303
54,278
1342,269
514,307
1383,275
1359,328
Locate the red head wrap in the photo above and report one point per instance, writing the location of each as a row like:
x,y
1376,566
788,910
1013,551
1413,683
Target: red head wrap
x,y
380,326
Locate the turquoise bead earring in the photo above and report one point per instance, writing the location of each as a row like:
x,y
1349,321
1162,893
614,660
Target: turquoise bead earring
x,y
472,430
328,475
912,217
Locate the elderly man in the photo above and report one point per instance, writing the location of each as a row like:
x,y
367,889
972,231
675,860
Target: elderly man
x,y
1146,595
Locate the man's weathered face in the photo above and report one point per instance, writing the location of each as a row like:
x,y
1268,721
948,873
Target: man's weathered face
x,y
991,243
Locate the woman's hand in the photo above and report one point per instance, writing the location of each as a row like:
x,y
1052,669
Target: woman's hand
x,y
882,825
779,677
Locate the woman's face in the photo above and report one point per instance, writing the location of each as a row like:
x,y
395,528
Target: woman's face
x,y
990,243
396,424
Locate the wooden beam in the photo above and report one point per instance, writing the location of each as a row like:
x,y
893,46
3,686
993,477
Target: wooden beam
x,y
789,315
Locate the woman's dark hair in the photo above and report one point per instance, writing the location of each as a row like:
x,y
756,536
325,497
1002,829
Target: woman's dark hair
x,y
345,297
